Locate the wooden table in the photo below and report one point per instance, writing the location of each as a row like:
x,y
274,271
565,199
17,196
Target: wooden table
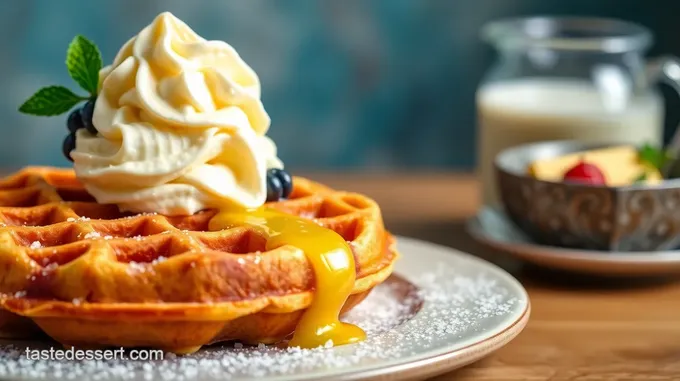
x,y
580,328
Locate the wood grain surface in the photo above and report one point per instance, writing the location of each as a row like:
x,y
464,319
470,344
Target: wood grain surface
x,y
581,328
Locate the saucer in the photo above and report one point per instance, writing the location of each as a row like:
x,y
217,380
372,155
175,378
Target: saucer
x,y
493,228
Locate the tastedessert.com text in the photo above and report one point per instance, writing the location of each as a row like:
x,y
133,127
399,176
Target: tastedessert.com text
x,y
74,354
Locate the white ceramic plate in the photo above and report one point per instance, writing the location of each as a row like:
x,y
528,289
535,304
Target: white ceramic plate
x,y
492,227
441,310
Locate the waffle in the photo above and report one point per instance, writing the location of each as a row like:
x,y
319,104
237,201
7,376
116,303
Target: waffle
x,y
90,276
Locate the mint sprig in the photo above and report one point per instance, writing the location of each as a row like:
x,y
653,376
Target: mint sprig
x,y
51,100
83,61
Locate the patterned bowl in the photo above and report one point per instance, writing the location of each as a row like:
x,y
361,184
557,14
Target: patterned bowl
x,y
631,218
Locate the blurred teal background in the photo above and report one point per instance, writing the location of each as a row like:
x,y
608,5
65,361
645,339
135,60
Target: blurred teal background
x,y
349,84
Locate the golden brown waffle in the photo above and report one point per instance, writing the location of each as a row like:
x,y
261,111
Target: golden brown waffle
x,y
89,275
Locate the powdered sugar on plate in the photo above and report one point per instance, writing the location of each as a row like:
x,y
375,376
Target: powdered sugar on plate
x,y
431,312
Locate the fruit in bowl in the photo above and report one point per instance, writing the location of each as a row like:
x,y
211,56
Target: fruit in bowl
x,y
589,196
585,173
610,166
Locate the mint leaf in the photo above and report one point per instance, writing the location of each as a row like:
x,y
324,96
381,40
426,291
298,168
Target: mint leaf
x,y
49,101
83,61
653,156
641,178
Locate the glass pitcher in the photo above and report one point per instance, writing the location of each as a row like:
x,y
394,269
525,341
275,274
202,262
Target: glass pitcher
x,y
568,78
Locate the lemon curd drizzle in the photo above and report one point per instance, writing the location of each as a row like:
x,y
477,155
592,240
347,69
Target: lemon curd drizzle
x,y
331,260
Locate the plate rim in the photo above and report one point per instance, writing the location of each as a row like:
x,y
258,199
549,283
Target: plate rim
x,y
441,361
420,368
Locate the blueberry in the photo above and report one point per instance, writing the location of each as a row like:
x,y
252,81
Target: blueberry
x,y
69,145
86,113
75,121
285,179
274,187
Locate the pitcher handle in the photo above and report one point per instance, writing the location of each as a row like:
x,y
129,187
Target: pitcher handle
x,y
666,69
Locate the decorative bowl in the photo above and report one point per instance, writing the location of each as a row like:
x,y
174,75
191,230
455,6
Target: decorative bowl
x,y
638,217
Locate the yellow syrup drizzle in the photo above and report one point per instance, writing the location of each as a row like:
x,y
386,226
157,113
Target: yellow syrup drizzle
x,y
332,262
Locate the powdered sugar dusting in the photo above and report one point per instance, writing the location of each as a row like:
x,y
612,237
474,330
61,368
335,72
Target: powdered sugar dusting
x,y
400,320
92,235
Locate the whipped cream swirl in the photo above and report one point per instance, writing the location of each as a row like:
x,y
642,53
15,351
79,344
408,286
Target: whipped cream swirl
x,y
181,126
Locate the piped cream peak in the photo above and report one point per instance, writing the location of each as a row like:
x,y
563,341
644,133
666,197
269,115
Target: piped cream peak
x,y
181,126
